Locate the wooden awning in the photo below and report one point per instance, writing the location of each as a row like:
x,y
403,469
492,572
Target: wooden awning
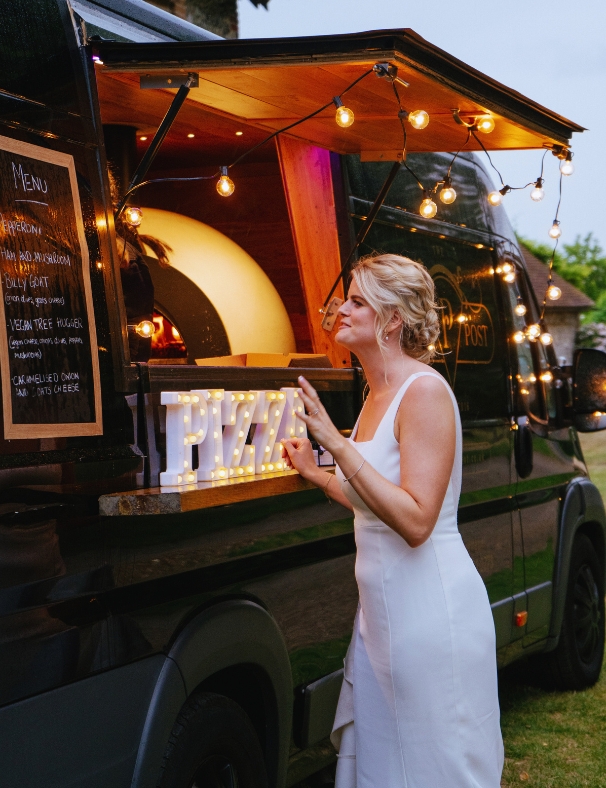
x,y
269,83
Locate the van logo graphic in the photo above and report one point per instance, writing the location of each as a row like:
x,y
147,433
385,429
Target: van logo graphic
x,y
467,333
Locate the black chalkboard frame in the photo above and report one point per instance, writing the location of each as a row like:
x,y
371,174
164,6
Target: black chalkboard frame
x,y
63,428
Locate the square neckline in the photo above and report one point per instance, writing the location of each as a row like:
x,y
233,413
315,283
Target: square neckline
x,y
379,425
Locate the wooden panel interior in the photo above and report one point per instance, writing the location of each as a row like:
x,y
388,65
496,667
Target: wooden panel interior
x,y
310,197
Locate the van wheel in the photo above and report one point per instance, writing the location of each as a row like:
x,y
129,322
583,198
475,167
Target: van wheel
x,y
213,745
577,661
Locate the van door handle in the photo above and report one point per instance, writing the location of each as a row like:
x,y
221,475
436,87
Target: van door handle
x,y
523,447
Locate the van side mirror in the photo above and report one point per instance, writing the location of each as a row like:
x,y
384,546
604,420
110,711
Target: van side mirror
x,y
589,390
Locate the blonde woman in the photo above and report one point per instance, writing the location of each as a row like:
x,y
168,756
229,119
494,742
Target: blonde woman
x,y
419,705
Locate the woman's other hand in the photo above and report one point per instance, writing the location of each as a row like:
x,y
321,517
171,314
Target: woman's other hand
x,y
318,421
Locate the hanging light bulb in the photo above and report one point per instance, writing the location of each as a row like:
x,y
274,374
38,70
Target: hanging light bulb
x,y
133,216
566,165
509,277
519,337
553,293
506,268
343,115
520,308
534,331
546,338
419,119
225,185
555,230
538,192
428,208
495,198
145,328
485,124
448,195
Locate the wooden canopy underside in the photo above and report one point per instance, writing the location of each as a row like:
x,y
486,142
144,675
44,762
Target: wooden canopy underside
x,y
269,89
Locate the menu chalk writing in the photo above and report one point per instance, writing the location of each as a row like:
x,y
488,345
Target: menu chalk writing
x,y
48,347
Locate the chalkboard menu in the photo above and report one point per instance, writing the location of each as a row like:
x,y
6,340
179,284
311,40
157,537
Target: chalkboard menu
x,y
48,348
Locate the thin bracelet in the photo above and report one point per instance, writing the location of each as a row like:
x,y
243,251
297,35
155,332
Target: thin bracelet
x,y
354,473
325,488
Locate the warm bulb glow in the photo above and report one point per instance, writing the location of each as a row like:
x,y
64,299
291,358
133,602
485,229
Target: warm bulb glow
x,y
225,185
495,198
142,139
506,268
546,338
520,309
461,318
145,328
485,124
191,136
546,377
419,119
239,133
518,337
133,216
566,167
448,195
534,331
344,117
554,292
428,208
537,194
555,231
510,277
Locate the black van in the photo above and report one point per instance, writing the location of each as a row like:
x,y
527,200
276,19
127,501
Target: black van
x,y
165,637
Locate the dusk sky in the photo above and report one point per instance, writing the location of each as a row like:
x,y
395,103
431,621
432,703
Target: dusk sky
x,y
552,52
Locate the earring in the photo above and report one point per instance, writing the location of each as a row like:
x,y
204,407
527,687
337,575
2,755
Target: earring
x,y
386,336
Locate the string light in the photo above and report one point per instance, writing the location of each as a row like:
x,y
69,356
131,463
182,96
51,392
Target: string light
x,y
344,116
520,308
225,185
546,338
495,198
145,328
485,124
133,216
566,167
554,292
519,337
533,331
418,119
538,192
448,195
428,208
555,231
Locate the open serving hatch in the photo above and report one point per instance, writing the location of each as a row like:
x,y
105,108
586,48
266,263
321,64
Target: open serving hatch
x,y
285,210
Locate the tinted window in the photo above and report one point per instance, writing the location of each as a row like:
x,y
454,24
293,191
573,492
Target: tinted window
x,y
470,340
366,179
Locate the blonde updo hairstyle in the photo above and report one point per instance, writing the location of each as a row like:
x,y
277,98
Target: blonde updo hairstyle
x,y
392,283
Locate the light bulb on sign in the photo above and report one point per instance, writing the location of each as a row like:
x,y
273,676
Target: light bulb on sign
x,y
553,293
555,231
419,119
133,216
145,328
537,194
485,124
428,208
343,116
448,195
225,185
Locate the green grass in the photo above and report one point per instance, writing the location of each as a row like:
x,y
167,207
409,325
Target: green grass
x,y
556,739
552,739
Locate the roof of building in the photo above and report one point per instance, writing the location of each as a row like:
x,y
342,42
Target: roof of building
x,y
572,298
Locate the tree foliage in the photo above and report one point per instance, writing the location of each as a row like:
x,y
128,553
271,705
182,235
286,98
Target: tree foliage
x,y
583,264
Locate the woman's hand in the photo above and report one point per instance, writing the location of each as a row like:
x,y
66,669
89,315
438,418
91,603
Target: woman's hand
x,y
318,421
299,455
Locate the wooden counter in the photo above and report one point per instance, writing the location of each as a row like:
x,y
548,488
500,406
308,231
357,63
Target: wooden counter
x,y
203,495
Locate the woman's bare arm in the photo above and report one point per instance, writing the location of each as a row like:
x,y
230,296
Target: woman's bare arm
x,y
425,425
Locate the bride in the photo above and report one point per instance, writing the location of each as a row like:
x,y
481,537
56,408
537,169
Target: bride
x,y
419,705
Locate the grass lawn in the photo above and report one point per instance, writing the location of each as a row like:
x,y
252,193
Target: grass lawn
x,y
556,739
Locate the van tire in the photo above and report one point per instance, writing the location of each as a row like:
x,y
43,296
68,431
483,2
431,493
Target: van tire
x,y
576,662
213,745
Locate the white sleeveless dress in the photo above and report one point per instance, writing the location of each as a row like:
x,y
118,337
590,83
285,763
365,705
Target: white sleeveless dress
x,y
419,705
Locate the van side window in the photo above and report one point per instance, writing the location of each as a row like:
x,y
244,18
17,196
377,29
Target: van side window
x,y
471,343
